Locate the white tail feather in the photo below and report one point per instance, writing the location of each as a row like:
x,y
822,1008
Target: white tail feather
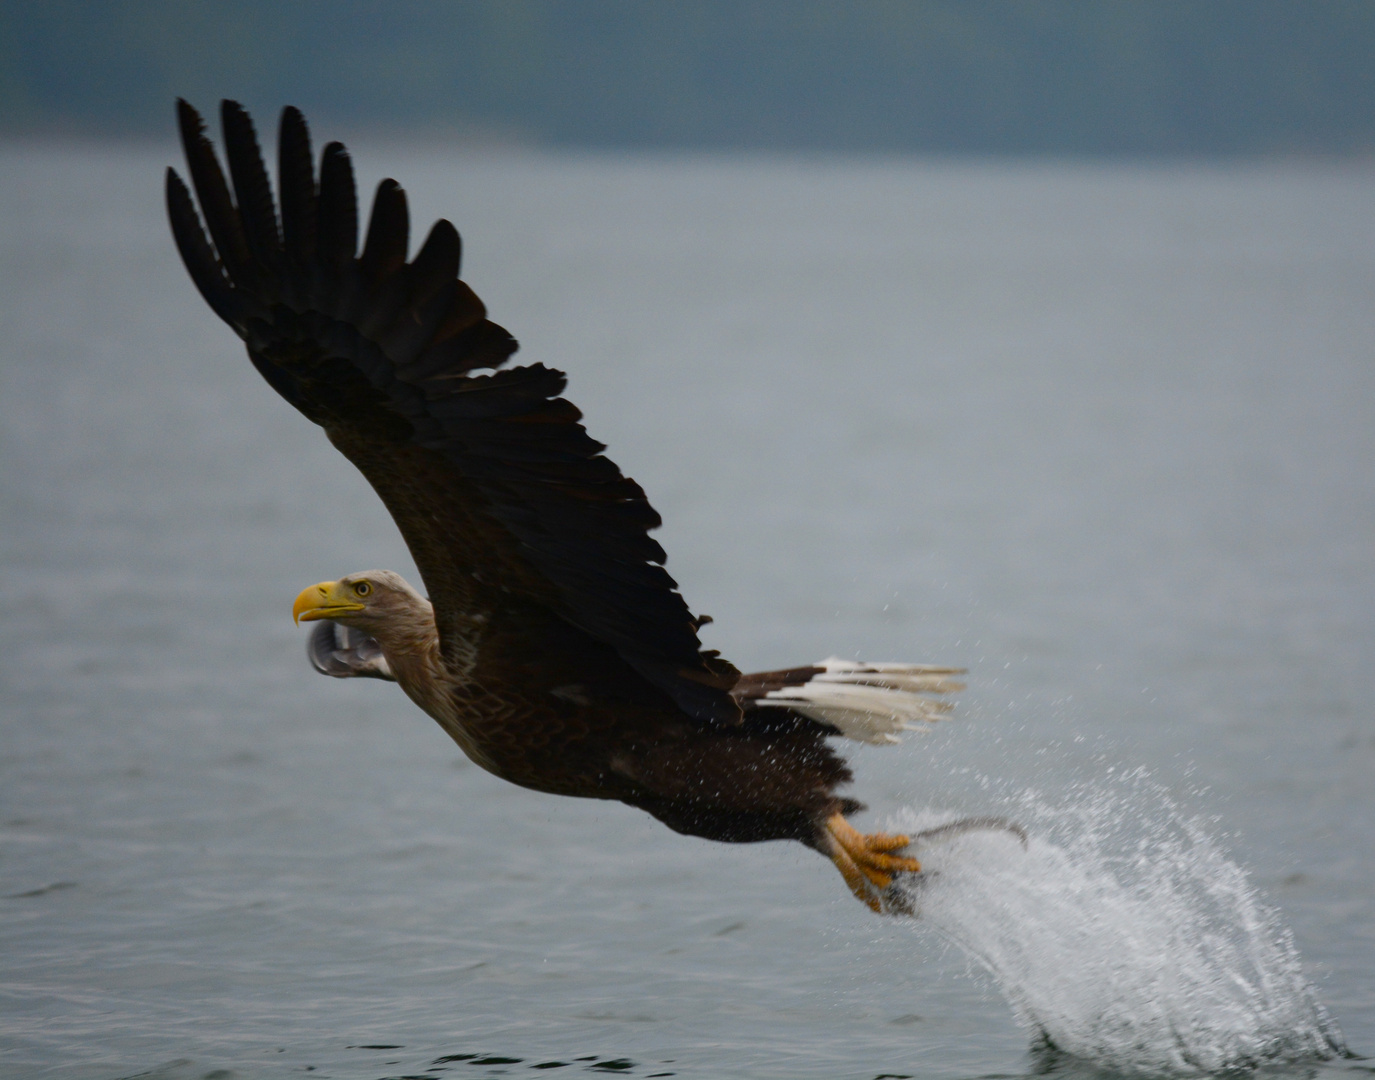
x,y
869,702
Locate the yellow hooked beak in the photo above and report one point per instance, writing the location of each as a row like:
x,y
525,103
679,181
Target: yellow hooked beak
x,y
327,600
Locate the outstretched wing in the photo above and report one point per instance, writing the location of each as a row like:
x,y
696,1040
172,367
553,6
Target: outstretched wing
x,y
491,476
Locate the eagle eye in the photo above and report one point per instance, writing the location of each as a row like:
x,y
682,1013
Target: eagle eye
x,y
362,588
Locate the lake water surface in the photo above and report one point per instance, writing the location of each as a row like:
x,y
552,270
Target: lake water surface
x,y
1103,435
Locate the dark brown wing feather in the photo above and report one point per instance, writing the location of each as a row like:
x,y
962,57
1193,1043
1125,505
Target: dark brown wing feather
x,y
490,474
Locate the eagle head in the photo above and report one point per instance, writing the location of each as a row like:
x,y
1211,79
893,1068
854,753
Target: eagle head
x,y
368,600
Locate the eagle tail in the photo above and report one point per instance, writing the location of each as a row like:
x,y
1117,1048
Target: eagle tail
x,y
870,703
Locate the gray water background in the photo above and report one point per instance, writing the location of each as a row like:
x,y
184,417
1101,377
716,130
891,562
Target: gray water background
x,y
1103,434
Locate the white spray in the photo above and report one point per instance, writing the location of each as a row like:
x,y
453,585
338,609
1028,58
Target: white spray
x,y
1122,935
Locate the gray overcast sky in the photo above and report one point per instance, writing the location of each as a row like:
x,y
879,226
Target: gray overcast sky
x,y
1195,77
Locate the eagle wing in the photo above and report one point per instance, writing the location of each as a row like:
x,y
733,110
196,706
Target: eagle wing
x,y
488,475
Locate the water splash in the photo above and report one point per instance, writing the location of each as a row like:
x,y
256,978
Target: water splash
x,y
1122,935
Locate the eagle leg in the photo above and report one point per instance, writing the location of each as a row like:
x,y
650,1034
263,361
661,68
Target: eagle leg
x,y
864,860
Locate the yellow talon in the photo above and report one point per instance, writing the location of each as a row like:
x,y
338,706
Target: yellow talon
x,y
855,879
863,860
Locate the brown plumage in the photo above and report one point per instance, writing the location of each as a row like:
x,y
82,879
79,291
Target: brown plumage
x,y
558,652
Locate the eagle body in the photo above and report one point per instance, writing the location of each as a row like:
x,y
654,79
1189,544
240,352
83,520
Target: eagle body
x,y
554,648
569,717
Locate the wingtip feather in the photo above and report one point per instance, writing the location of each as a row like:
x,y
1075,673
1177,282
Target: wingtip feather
x,y
196,252
296,181
252,189
337,221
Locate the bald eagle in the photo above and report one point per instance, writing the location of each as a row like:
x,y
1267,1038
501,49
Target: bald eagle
x,y
554,648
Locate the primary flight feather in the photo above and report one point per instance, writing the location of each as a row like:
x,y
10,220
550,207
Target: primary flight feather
x,y
554,647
